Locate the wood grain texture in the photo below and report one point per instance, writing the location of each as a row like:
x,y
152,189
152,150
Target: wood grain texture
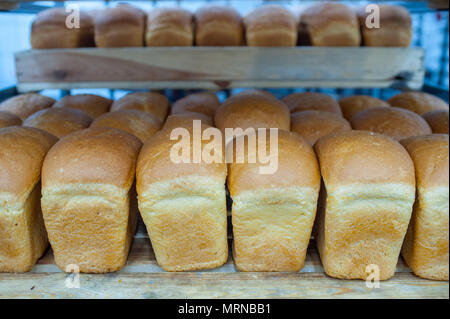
x,y
219,68
143,278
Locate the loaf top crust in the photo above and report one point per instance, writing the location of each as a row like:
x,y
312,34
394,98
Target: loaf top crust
x,y
217,13
430,156
95,155
361,157
22,152
268,17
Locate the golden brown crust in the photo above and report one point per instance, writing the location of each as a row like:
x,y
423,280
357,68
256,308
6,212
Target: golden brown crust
x,y
329,24
312,101
93,105
392,121
438,121
353,104
418,102
155,164
205,103
297,166
218,25
169,27
49,30
430,156
9,119
254,92
23,151
395,27
24,105
186,120
151,102
363,157
252,111
95,155
59,121
312,125
270,25
141,124
121,26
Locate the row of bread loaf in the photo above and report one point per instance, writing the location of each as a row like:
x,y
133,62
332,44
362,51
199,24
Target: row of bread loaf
x,y
312,114
369,185
322,24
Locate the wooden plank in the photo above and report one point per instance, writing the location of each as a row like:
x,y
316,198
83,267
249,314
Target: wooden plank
x,y
219,68
143,278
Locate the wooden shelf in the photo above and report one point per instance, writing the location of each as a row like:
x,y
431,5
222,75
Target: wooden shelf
x,y
143,278
219,68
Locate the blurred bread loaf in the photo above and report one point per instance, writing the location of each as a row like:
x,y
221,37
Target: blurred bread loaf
x,y
205,103
365,203
9,119
121,26
183,204
392,121
312,125
59,121
353,104
425,248
312,101
270,26
251,112
395,28
273,213
138,123
53,28
438,121
186,119
23,238
88,199
23,105
92,105
169,27
329,24
418,102
218,25
151,102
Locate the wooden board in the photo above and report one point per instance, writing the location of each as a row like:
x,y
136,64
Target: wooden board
x,y
143,278
219,68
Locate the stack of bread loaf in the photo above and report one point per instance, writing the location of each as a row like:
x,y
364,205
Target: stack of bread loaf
x,y
322,24
368,178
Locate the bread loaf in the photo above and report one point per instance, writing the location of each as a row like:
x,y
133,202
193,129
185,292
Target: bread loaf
x,y
395,28
53,28
138,123
121,26
23,105
88,199
151,102
392,121
329,24
93,105
205,103
218,25
169,27
418,102
273,214
9,119
270,26
312,125
23,238
186,119
312,101
438,121
353,104
425,248
365,204
59,121
183,204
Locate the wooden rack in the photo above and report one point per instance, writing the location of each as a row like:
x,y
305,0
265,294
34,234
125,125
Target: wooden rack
x,y
219,68
143,278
